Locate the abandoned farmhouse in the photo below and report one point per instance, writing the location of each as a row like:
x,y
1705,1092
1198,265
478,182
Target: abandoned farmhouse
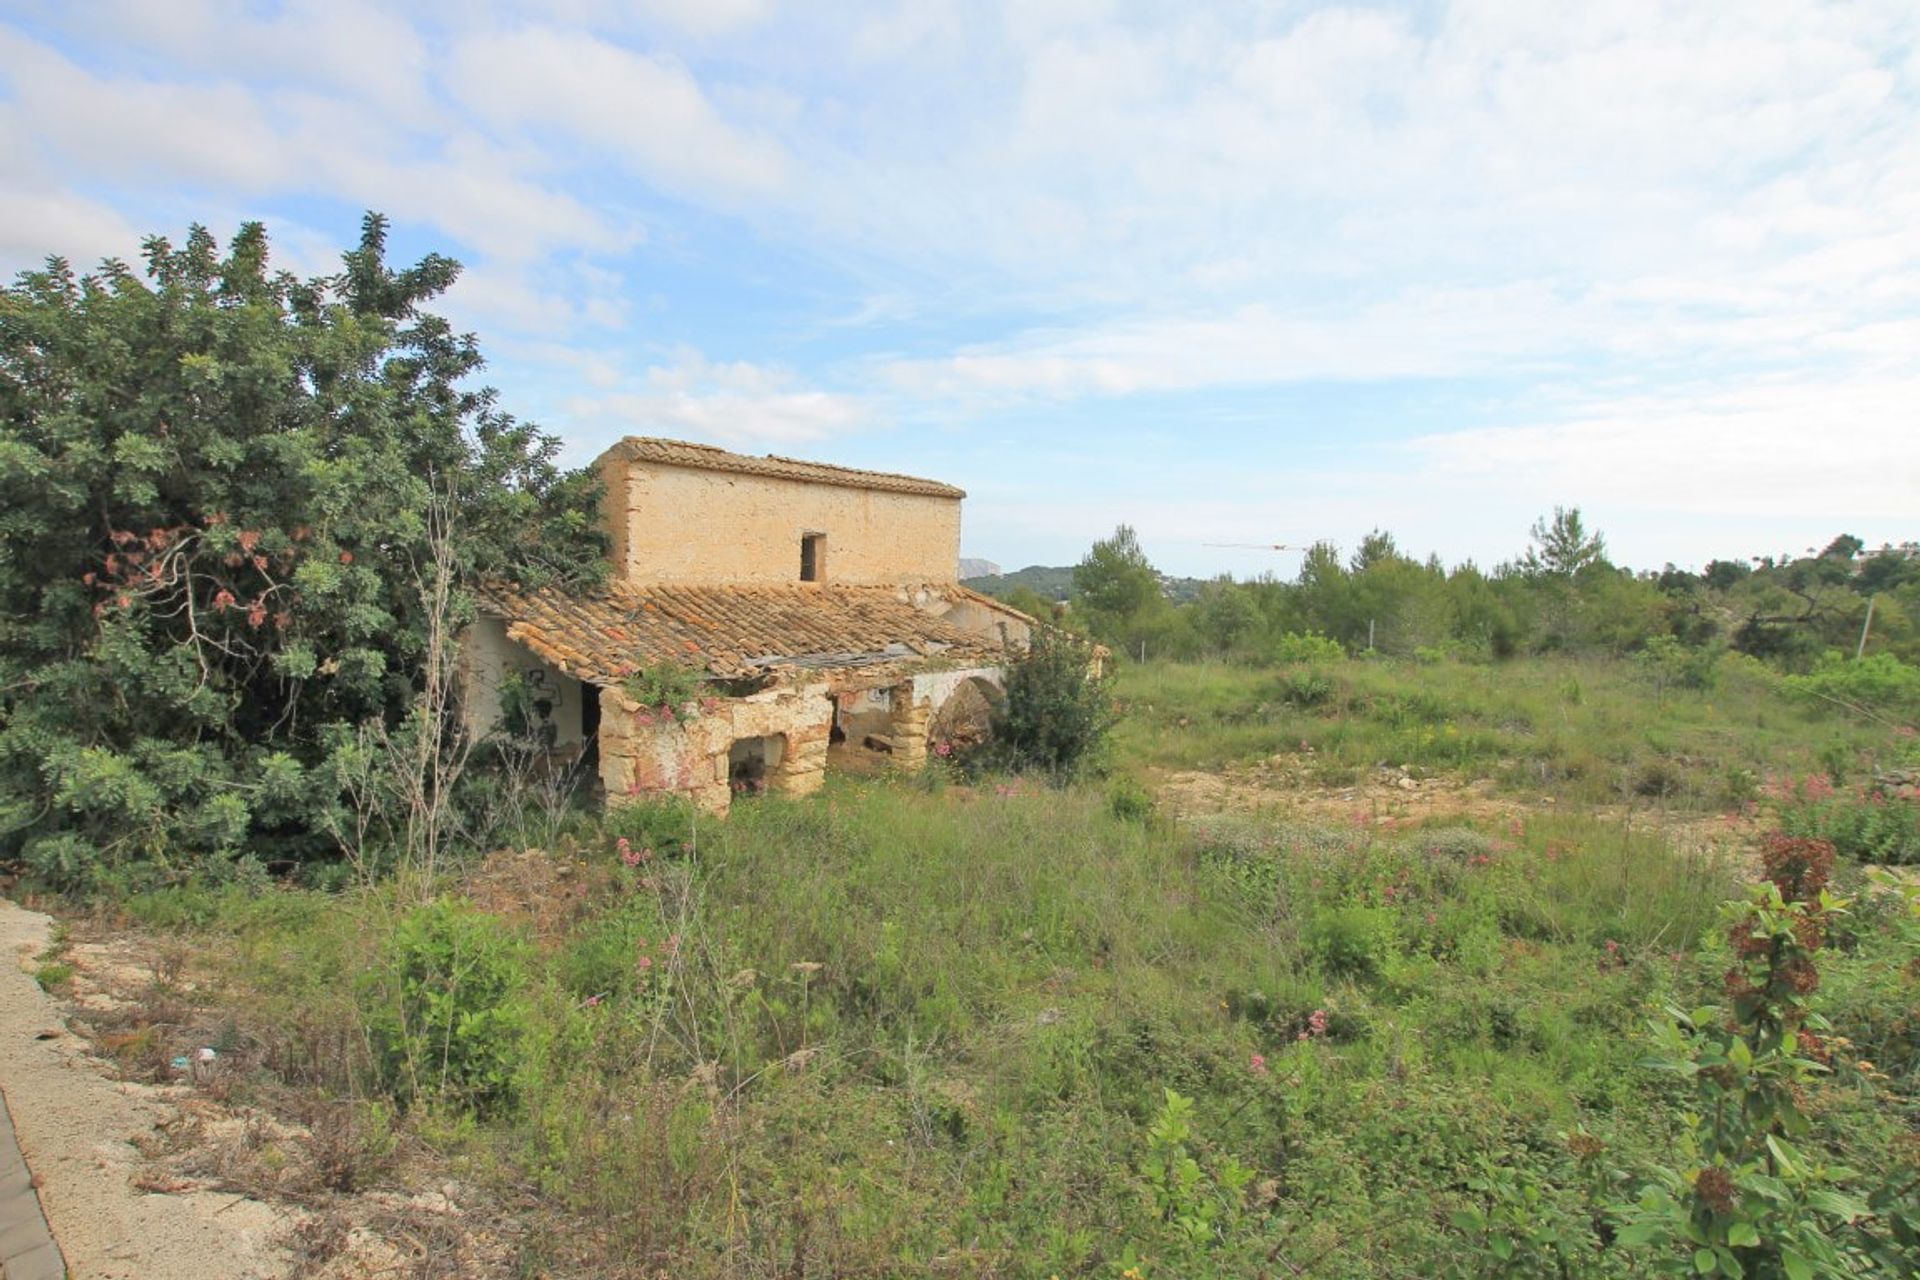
x,y
818,606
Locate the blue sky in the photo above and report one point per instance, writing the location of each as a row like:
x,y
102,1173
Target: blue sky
x,y
1234,272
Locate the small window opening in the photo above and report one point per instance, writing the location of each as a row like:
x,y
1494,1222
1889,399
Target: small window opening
x,y
750,760
813,557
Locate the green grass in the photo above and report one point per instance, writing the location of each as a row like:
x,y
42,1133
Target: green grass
x,y
901,1029
54,976
1589,731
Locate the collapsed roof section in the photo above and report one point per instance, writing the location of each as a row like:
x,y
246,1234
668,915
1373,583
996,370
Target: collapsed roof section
x,y
737,632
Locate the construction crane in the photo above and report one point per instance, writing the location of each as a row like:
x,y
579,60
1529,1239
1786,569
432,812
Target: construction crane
x,y
1257,546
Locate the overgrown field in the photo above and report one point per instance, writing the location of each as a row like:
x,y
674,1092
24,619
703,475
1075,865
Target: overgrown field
x,y
1706,736
933,1027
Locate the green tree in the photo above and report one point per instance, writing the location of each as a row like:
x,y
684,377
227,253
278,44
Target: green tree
x,y
226,498
1562,547
1114,579
1117,589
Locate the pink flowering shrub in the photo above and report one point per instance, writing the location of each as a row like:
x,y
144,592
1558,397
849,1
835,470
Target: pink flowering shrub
x,y
1868,821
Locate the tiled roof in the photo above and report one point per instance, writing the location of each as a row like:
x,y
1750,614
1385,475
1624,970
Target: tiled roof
x,y
681,453
731,631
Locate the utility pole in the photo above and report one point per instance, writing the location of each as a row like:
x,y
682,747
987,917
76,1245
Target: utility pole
x,y
1861,648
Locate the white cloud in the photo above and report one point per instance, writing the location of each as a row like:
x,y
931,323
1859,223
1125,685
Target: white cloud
x,y
734,403
646,109
237,140
1783,449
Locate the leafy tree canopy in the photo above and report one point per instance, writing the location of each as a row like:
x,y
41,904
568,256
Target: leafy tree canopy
x,y
220,488
1115,581
1562,546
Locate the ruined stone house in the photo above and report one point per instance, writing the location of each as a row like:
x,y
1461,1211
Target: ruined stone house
x,y
819,607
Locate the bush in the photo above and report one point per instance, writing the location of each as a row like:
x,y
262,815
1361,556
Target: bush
x,y
1869,823
1307,646
445,1009
1879,681
1057,711
1306,689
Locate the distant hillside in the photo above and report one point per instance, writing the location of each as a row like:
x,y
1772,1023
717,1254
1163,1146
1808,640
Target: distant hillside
x,y
1048,582
973,567
1055,582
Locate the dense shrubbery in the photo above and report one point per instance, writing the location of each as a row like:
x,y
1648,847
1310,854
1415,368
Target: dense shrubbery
x,y
1057,709
237,514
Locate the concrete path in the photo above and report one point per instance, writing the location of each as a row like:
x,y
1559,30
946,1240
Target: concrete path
x,y
27,1250
75,1125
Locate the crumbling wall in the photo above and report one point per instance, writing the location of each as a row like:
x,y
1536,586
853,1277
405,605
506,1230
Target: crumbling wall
x,y
644,751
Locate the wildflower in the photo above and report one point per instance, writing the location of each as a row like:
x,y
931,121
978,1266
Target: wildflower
x,y
224,601
346,557
1714,1187
943,749
1258,1062
1316,1025
593,1002
1516,828
645,963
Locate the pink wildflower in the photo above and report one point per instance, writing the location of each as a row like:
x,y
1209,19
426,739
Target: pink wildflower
x,y
627,854
593,1002
1258,1063
645,963
943,749
1316,1025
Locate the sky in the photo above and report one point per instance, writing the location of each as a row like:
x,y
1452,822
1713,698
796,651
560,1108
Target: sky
x,y
1242,272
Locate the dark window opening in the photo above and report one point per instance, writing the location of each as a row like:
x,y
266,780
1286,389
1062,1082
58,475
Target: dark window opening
x,y
750,760
813,557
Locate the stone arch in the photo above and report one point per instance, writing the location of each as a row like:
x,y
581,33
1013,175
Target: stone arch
x,y
964,717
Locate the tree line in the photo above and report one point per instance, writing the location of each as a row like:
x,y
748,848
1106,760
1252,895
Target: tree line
x,y
1561,594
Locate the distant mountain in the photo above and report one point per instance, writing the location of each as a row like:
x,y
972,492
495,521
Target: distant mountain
x,y
1055,582
973,567
1048,583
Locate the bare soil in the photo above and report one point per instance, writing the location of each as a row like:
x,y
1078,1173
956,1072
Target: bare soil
x,y
1394,799
160,1157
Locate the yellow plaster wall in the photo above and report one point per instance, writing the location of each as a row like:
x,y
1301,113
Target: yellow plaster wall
x,y
683,525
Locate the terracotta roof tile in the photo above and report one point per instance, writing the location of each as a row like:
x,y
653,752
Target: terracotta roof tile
x,y
682,453
731,631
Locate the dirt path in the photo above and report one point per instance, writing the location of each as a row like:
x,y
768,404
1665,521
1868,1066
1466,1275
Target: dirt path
x,y
77,1128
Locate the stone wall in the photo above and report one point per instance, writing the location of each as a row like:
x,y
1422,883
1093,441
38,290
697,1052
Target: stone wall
x,y
643,752
488,658
688,526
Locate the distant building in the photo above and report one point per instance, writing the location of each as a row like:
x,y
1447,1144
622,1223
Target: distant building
x,y
819,607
